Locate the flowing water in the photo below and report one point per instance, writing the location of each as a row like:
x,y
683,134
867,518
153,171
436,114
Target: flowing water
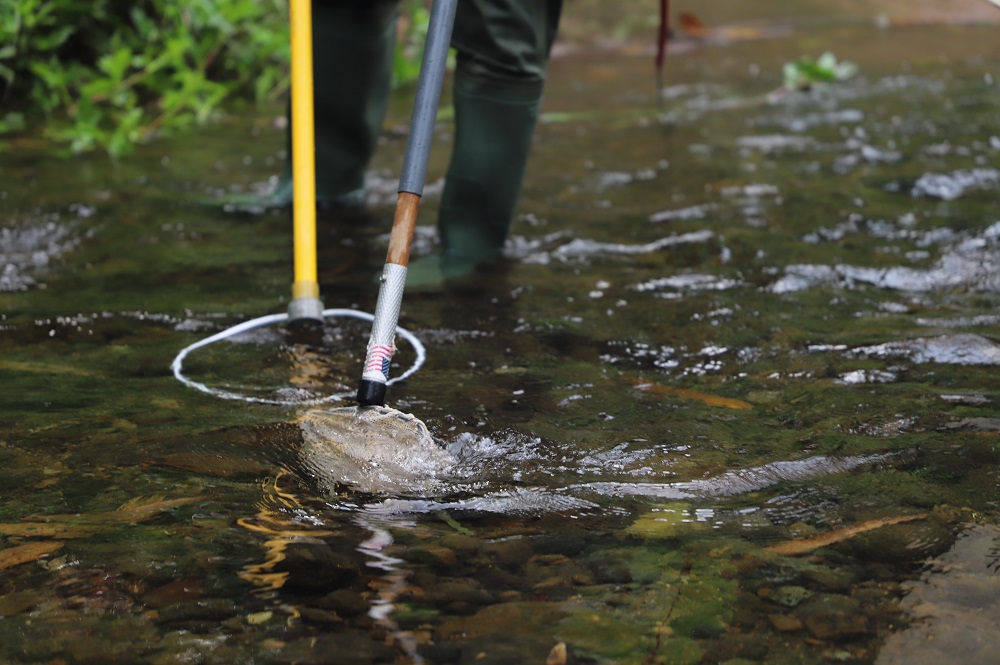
x,y
733,397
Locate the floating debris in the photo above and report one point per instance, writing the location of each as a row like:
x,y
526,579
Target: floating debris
x,y
697,395
806,545
15,556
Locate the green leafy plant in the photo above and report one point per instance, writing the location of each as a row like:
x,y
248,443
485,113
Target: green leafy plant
x,y
413,24
107,76
804,73
103,75
410,42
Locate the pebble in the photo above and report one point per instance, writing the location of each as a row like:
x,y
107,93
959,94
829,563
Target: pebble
x,y
785,623
317,567
342,648
464,546
789,596
439,557
834,617
508,553
209,609
458,591
316,615
344,602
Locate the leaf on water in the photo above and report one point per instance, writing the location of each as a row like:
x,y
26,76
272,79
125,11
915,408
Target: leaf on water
x,y
804,545
212,464
43,368
139,509
44,530
453,523
144,507
165,403
710,400
15,556
695,29
693,26
177,591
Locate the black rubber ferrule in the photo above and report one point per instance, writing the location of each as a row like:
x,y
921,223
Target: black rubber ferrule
x,y
371,393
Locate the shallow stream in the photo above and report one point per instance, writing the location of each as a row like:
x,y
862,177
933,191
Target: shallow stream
x,y
732,398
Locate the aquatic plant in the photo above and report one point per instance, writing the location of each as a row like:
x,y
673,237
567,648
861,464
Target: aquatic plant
x,y
806,73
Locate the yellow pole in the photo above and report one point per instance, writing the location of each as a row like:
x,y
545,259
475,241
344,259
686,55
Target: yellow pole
x,y
306,285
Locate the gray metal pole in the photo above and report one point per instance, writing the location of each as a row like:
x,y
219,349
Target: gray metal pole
x,y
432,69
371,389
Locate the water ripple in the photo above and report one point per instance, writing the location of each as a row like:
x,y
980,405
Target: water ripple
x,y
30,249
962,349
740,481
950,186
582,247
970,265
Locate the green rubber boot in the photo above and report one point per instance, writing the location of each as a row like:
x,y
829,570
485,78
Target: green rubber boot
x,y
494,124
353,51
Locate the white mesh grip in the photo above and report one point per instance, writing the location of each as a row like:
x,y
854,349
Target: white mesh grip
x,y
381,344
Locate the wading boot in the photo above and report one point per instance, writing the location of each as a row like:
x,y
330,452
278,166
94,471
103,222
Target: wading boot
x,y
494,124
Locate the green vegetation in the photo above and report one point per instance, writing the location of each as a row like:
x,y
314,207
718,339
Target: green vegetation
x,y
805,72
105,75
410,46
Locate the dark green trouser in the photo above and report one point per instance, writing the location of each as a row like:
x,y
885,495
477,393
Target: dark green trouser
x,y
353,46
503,50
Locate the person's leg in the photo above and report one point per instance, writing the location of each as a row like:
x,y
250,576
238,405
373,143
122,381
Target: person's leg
x,y
353,43
503,50
353,46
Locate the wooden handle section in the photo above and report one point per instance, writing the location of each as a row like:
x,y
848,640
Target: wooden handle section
x,y
402,229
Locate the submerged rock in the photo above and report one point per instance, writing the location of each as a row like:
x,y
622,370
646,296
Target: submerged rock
x,y
790,596
834,617
342,647
953,606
